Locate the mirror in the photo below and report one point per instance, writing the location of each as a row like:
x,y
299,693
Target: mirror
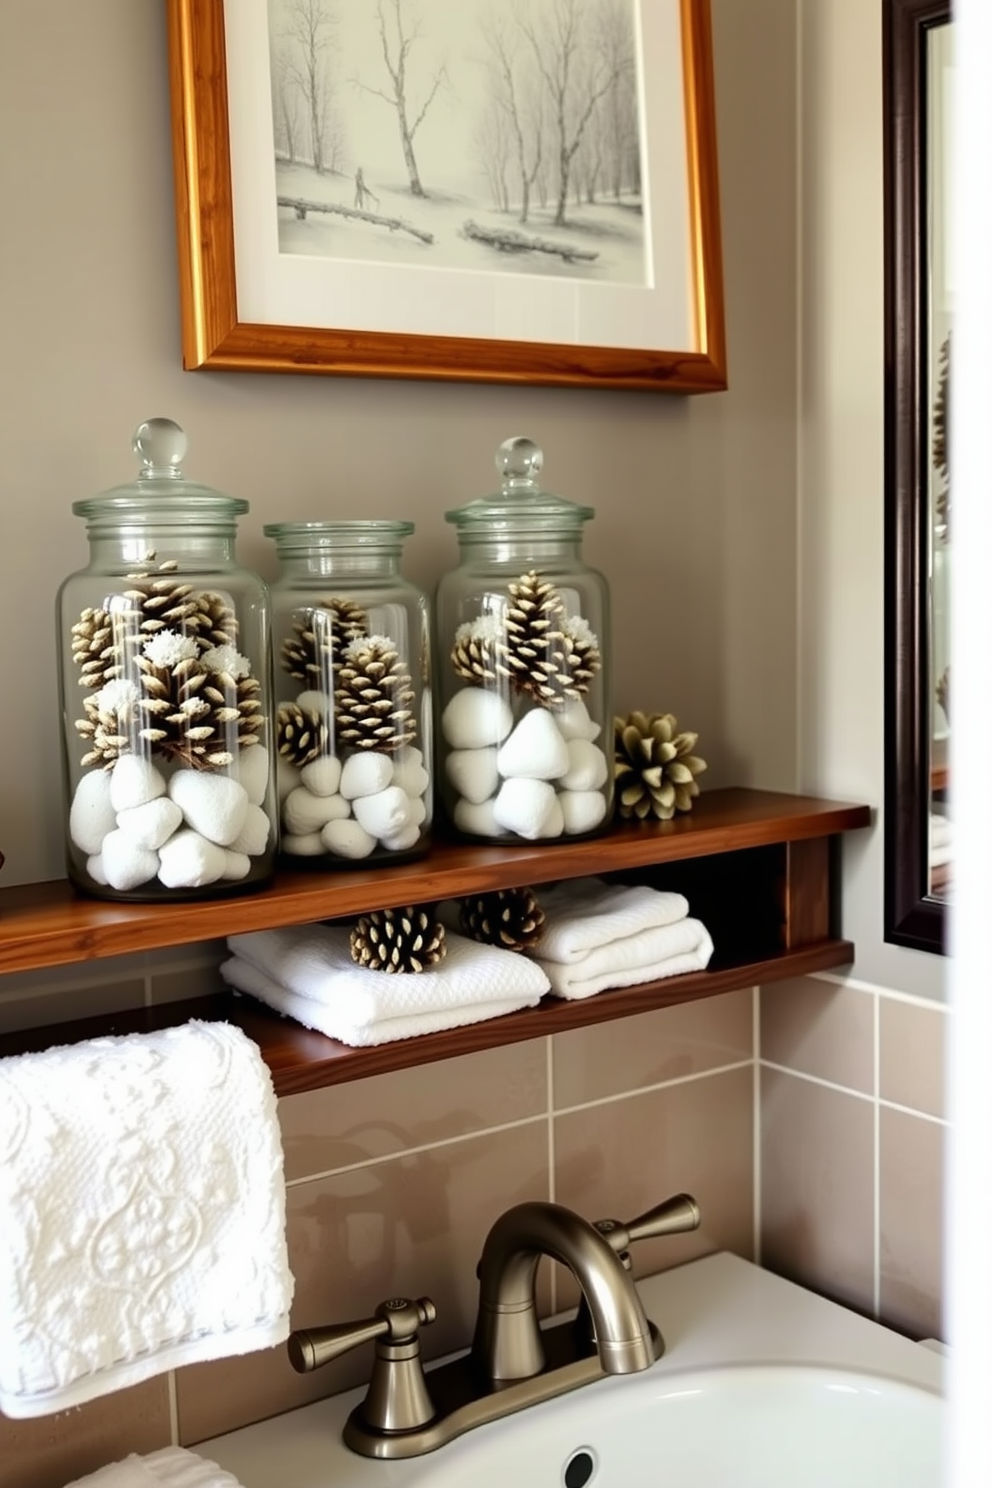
x,y
918,37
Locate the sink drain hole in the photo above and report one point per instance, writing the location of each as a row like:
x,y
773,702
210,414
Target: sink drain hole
x,y
579,1468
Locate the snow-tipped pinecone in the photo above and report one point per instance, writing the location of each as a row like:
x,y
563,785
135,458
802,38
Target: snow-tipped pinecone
x,y
550,656
373,697
509,918
654,766
302,734
404,939
314,652
583,655
479,652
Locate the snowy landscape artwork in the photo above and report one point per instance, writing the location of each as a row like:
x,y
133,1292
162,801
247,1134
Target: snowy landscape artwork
x,y
499,136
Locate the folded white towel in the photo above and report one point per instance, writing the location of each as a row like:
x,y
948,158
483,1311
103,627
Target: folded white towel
x,y
172,1467
313,966
142,1212
585,913
661,951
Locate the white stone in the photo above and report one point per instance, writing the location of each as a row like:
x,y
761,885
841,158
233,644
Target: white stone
x,y
473,773
322,776
237,865
303,813
92,815
152,824
408,838
587,766
553,824
365,774
251,769
95,868
190,860
215,806
418,811
574,722
254,835
317,702
133,781
476,717
385,813
287,778
125,865
523,806
409,772
583,810
477,819
302,845
535,750
348,839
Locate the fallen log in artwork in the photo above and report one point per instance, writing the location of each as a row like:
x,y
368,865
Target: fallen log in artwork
x,y
395,224
509,240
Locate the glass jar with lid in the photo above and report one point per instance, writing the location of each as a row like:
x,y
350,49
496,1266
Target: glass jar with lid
x,y
165,691
526,723
351,647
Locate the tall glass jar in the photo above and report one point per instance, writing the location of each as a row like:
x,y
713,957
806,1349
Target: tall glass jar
x,y
165,692
524,666
351,642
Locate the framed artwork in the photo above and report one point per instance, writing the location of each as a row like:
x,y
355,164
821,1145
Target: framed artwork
x,y
483,192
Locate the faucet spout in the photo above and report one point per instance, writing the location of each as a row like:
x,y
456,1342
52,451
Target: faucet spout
x,y
508,1342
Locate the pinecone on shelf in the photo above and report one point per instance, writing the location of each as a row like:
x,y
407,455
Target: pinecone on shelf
x,y
509,918
404,939
479,651
302,734
373,697
313,653
655,768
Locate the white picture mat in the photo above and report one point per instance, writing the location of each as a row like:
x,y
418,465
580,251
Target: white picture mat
x,y
284,289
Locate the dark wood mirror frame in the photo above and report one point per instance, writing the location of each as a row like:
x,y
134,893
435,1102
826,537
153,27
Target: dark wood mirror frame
x,y
912,916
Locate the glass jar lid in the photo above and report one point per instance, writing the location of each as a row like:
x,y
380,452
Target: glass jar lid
x,y
160,493
361,532
520,505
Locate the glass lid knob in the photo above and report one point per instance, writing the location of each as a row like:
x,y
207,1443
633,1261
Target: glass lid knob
x,y
519,462
160,444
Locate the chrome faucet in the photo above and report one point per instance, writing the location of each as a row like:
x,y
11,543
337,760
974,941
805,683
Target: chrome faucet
x,y
513,1362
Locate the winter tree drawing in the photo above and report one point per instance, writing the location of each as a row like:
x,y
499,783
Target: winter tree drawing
x,y
496,135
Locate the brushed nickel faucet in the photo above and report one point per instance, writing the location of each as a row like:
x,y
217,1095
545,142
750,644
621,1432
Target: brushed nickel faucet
x,y
513,1361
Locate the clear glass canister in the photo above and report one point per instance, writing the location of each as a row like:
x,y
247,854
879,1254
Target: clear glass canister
x,y
525,738
351,643
165,691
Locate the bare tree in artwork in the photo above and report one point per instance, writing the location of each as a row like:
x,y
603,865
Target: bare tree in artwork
x,y
520,104
398,37
304,66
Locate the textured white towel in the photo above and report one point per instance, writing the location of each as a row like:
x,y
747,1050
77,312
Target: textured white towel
x,y
663,951
308,973
585,913
142,1212
172,1467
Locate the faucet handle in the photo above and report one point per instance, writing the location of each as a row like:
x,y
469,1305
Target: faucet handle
x,y
398,1320
671,1217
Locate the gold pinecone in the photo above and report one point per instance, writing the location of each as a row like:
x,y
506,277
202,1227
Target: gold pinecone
x,y
509,918
404,939
302,734
373,697
654,766
314,651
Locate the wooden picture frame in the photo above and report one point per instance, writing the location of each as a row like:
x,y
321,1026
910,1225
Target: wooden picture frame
x,y
217,336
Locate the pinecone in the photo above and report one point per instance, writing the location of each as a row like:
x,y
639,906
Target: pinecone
x,y
509,918
373,697
302,734
655,769
404,939
479,652
313,653
551,656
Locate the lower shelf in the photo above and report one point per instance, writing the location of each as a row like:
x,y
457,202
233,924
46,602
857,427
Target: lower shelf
x,y
301,1060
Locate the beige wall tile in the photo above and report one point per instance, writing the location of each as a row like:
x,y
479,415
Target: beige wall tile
x,y
410,1226
619,1159
819,1029
41,1010
817,1187
648,1049
54,1450
911,1055
911,1185
347,1124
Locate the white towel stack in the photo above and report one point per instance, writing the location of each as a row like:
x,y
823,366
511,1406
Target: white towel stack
x,y
172,1467
142,1212
599,935
308,974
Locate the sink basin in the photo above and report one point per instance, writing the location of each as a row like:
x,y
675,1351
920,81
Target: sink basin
x,y
762,1385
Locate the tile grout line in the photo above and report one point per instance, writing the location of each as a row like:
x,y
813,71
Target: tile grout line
x,y
888,1105
876,1160
756,1119
872,989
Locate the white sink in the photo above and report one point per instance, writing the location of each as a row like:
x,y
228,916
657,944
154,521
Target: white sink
x,y
762,1385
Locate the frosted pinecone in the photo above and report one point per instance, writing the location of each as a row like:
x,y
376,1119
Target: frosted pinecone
x,y
479,651
373,697
314,651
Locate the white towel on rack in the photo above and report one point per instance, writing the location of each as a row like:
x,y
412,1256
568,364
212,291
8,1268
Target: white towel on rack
x,y
651,955
583,914
171,1467
142,1212
308,974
